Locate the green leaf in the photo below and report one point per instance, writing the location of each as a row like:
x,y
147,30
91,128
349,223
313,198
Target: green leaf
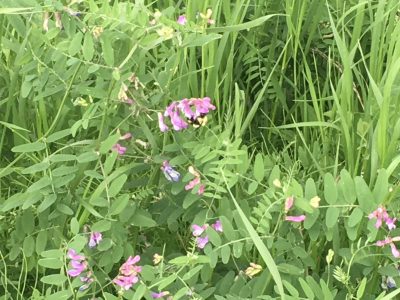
x,y
39,167
243,26
119,204
332,216
355,217
62,295
197,40
108,143
53,253
330,189
41,241
225,254
307,289
117,185
108,51
259,168
163,283
364,195
381,188
88,46
214,237
101,226
74,225
192,272
40,184
62,157
87,157
31,147
110,162
361,288
142,218
229,232
13,202
48,200
28,222
55,279
50,263
347,187
29,246
58,135
75,44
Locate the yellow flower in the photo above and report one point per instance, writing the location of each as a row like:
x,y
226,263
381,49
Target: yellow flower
x,y
193,171
207,15
166,32
314,202
97,31
157,258
330,255
277,183
254,269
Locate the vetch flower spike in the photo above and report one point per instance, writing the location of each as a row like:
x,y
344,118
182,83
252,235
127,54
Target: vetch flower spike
x,y
95,239
296,219
182,20
169,172
159,295
217,226
120,149
202,241
380,214
391,223
288,203
128,273
198,230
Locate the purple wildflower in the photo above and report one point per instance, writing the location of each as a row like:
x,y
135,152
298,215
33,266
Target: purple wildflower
x,y
395,252
198,230
126,136
159,295
72,254
202,241
128,273
182,20
296,219
95,239
201,189
217,226
161,123
191,109
391,223
380,214
288,203
120,149
170,173
192,183
78,266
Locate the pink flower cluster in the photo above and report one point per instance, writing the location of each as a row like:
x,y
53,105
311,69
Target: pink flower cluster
x,y
195,182
160,295
95,239
118,147
198,230
288,205
381,215
79,265
390,241
128,273
191,109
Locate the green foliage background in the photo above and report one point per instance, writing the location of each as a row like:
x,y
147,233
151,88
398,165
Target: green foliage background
x,y
306,92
